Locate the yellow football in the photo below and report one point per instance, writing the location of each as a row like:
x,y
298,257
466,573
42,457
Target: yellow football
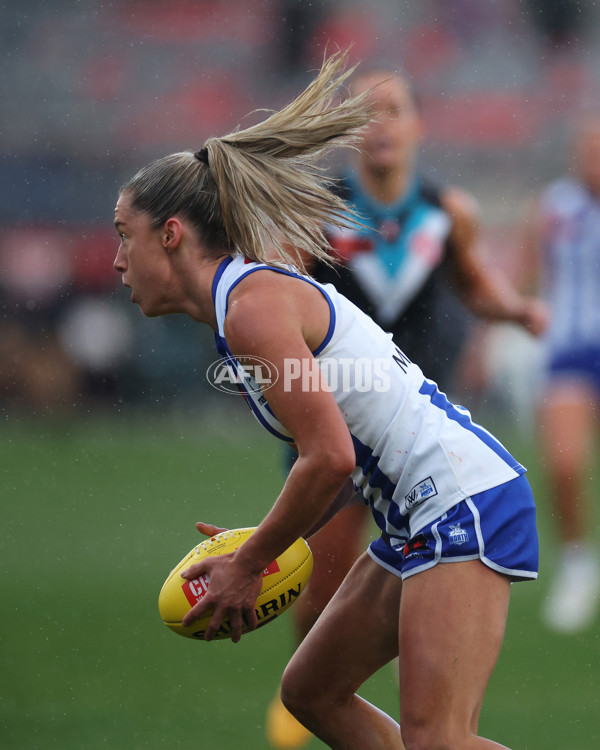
x,y
283,582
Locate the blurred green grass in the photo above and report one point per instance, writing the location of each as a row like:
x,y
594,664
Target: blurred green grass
x,y
97,509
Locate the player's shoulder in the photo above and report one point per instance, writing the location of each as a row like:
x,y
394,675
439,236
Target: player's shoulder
x,y
264,287
263,300
454,200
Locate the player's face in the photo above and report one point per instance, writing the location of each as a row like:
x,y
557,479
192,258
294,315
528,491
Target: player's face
x,y
392,138
143,260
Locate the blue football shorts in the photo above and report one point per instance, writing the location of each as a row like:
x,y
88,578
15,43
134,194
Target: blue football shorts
x,y
496,526
582,363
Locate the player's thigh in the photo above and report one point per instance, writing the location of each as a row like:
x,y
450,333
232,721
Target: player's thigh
x,y
452,621
335,549
337,546
354,637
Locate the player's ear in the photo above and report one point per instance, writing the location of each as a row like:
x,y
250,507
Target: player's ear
x,y
172,234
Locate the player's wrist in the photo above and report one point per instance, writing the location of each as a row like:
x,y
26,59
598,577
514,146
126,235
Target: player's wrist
x,y
252,562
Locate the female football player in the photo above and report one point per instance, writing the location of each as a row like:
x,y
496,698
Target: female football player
x,y
409,265
455,510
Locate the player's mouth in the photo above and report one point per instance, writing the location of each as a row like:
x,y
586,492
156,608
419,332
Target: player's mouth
x,y
125,284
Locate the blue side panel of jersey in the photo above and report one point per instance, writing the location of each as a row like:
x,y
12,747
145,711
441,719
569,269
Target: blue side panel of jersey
x,y
378,517
463,418
367,461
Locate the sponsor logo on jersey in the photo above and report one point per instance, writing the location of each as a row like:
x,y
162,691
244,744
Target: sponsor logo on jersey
x,y
420,492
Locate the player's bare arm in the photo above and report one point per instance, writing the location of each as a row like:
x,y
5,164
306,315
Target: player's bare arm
x,y
266,320
487,293
282,319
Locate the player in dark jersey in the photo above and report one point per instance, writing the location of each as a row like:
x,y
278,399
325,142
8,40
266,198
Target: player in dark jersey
x,y
400,269
414,264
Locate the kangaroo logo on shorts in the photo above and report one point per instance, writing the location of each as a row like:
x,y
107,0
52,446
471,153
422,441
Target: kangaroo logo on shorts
x,y
457,535
419,493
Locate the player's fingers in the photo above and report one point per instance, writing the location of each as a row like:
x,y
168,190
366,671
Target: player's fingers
x,y
196,611
236,623
195,570
214,624
251,618
204,567
209,529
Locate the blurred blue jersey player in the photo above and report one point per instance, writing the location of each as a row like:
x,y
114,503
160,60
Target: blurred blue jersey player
x,y
563,240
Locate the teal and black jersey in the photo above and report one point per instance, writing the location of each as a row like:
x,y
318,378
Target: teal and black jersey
x,y
396,268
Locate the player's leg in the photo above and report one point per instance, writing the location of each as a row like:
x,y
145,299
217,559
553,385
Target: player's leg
x,y
568,422
568,419
335,549
452,621
355,636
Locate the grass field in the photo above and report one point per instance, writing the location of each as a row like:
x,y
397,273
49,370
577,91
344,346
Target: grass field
x,y
96,510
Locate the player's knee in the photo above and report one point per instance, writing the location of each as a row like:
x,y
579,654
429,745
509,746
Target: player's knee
x,y
428,736
296,693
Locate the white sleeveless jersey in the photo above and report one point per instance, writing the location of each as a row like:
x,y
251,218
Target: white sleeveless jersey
x,y
417,454
571,269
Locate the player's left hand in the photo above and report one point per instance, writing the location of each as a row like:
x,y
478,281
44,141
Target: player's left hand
x,y
232,593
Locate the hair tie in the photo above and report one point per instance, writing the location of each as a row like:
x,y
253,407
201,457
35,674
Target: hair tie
x,y
202,155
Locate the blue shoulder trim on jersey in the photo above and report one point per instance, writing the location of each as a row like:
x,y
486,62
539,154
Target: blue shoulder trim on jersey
x,y
463,418
332,320
258,414
221,345
285,272
228,358
220,270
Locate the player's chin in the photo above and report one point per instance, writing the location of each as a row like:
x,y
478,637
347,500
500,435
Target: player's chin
x,y
387,160
148,309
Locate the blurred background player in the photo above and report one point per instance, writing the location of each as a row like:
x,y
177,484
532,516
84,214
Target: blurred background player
x,y
414,267
563,240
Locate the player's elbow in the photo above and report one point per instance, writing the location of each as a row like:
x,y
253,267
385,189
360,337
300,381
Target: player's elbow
x,y
335,464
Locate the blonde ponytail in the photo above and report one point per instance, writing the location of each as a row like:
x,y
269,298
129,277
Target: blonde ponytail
x,y
262,190
273,192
